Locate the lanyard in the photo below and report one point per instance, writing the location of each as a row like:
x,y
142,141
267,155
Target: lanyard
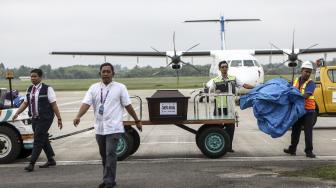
x,y
37,87
102,101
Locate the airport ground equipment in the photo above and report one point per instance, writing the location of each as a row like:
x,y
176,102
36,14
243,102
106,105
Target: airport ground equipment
x,y
16,138
325,92
211,138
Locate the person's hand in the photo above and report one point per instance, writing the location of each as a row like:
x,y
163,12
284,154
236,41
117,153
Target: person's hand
x,y
139,125
14,117
60,125
76,121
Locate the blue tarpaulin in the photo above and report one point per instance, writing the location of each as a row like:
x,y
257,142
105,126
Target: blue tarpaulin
x,y
276,104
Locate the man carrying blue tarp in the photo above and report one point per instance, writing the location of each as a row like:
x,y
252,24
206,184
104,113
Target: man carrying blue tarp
x,y
278,106
306,87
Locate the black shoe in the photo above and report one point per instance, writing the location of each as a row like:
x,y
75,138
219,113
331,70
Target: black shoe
x,y
49,163
102,185
231,151
110,185
310,155
29,168
288,151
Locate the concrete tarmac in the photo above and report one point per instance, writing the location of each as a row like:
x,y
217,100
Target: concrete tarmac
x,y
169,157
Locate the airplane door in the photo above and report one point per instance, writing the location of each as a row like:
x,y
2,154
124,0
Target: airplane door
x,y
330,91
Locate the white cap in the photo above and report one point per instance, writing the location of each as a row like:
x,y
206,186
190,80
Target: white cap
x,y
307,65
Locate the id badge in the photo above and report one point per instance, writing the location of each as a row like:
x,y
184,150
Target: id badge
x,y
101,109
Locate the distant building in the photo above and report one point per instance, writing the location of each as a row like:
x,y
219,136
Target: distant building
x,y
23,78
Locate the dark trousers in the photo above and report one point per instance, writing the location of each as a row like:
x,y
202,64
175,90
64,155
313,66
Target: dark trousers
x,y
41,139
108,151
230,129
306,122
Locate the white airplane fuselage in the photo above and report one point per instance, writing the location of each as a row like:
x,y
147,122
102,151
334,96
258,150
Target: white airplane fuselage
x,y
242,65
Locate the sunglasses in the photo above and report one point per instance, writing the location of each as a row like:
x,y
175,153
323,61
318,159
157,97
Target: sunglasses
x,y
224,67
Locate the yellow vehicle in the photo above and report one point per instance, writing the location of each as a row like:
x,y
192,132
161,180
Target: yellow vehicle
x,y
325,92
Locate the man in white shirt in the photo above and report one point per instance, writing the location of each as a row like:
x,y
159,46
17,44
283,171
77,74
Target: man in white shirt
x,y
41,100
108,98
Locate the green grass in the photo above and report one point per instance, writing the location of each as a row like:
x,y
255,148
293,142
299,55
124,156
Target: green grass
x,y
269,77
131,83
286,76
324,172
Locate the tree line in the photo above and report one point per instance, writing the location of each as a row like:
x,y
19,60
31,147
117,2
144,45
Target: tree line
x,y
91,71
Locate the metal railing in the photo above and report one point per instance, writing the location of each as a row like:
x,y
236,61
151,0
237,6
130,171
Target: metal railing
x,y
137,107
205,106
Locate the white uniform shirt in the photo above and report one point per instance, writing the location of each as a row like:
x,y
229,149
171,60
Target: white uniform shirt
x,y
116,100
212,85
51,96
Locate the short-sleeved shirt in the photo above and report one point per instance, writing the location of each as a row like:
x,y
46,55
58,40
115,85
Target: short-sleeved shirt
x,y
310,87
116,98
51,95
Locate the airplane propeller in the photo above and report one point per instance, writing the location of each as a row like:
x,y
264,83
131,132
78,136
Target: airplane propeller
x,y
176,61
293,58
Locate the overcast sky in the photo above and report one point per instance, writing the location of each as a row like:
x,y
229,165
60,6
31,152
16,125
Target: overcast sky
x,y
30,29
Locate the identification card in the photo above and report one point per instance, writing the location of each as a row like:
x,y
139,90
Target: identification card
x,y
101,109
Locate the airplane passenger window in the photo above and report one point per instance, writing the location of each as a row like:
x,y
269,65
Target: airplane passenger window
x,y
332,75
248,63
236,63
256,63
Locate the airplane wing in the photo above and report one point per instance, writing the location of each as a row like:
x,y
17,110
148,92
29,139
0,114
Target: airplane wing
x,y
194,53
137,54
300,51
159,54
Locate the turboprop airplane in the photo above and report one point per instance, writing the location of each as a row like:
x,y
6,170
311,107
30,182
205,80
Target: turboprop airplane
x,y
242,63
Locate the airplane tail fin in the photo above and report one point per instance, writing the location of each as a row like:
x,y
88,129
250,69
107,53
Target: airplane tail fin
x,y
222,21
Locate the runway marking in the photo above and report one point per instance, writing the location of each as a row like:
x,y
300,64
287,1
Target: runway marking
x,y
73,111
191,160
67,103
76,109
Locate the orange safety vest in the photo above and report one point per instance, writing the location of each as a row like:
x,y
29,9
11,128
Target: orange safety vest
x,y
310,101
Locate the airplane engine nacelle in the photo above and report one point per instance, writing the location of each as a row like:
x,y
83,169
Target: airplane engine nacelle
x,y
176,66
292,64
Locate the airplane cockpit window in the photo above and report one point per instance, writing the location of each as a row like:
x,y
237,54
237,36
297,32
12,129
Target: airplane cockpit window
x,y
248,63
236,63
256,63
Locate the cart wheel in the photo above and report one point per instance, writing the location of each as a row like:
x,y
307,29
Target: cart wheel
x,y
214,142
125,146
10,146
199,131
136,139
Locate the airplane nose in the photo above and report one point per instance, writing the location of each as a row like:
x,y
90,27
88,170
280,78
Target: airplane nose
x,y
248,77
